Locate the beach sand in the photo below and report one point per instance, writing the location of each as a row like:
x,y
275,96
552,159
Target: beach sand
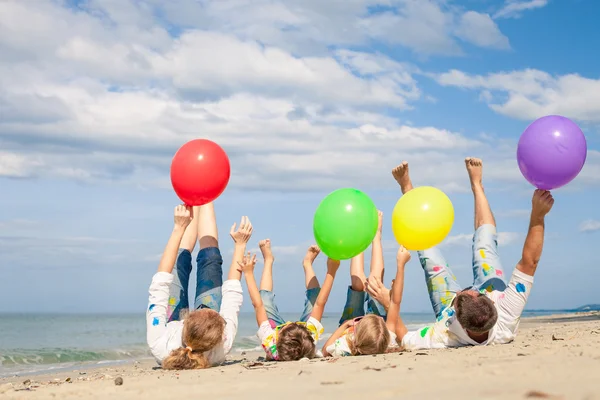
x,y
553,357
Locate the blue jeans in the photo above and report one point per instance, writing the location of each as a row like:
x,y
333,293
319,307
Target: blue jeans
x,y
356,302
487,269
275,318
209,279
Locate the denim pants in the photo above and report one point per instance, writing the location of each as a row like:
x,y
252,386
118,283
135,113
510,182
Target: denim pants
x,y
209,280
357,302
275,318
487,269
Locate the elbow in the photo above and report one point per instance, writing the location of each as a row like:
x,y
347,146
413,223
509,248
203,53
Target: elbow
x,y
529,263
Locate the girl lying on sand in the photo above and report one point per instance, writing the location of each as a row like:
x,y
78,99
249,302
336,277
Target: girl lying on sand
x,y
178,338
281,340
372,331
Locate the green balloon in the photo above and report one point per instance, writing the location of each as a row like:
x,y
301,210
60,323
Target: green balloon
x,y
345,223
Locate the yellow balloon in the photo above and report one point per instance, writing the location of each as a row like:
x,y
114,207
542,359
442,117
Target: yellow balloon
x,y
422,218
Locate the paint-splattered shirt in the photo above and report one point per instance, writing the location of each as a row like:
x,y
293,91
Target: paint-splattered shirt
x,y
268,335
340,347
165,337
447,331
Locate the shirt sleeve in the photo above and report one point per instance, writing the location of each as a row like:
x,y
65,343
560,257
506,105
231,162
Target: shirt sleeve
x,y
340,347
230,308
156,315
315,328
424,338
512,301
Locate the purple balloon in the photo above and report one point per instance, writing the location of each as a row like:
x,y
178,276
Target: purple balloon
x,y
551,152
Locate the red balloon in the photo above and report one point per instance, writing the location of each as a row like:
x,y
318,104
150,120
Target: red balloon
x,y
200,172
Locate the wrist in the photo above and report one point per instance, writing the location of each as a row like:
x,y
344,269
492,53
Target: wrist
x,y
239,246
178,229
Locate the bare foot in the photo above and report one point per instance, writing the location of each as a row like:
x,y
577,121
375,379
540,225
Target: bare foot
x,y
312,253
265,249
475,170
400,174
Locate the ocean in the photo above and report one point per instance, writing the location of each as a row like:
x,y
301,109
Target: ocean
x,y
40,343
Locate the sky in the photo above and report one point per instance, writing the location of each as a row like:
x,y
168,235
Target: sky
x,y
306,97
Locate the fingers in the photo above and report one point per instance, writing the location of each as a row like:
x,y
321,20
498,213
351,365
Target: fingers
x,y
232,230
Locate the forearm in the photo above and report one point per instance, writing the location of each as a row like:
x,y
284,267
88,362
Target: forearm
x,y
257,303
238,256
532,249
319,306
334,336
396,298
169,257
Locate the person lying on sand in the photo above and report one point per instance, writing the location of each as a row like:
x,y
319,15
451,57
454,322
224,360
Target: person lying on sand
x,y
281,340
183,339
363,332
489,311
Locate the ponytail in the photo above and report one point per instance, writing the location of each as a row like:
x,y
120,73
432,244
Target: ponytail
x,y
184,358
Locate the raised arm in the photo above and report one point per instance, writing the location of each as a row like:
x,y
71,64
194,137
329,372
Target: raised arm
x,y
183,216
394,321
319,307
240,237
339,332
541,204
247,267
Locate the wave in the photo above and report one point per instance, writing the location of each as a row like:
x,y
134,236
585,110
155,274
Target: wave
x,y
25,357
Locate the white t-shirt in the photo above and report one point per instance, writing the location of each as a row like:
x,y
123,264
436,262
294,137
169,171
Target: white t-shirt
x,y
268,336
340,347
447,331
163,337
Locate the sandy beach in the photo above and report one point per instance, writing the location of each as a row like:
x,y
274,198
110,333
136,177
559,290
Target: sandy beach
x,y
554,357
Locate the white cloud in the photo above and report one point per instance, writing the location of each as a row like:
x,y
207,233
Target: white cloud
x,y
465,239
481,30
529,94
589,225
515,8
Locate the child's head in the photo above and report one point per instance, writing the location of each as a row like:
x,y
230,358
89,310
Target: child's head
x,y
202,330
294,343
371,336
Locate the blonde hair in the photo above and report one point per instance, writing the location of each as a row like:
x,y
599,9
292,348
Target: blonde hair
x,y
202,330
371,336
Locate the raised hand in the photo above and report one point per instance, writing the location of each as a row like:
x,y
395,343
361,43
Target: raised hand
x,y
403,256
247,264
541,203
243,233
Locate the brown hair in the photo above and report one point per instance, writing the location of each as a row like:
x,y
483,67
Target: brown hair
x,y
294,343
371,336
202,330
475,314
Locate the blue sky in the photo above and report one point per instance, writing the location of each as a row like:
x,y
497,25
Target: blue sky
x,y
306,97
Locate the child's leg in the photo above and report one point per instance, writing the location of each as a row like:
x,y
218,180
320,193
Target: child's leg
x,y
209,261
377,266
487,269
178,292
266,285
355,298
310,279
